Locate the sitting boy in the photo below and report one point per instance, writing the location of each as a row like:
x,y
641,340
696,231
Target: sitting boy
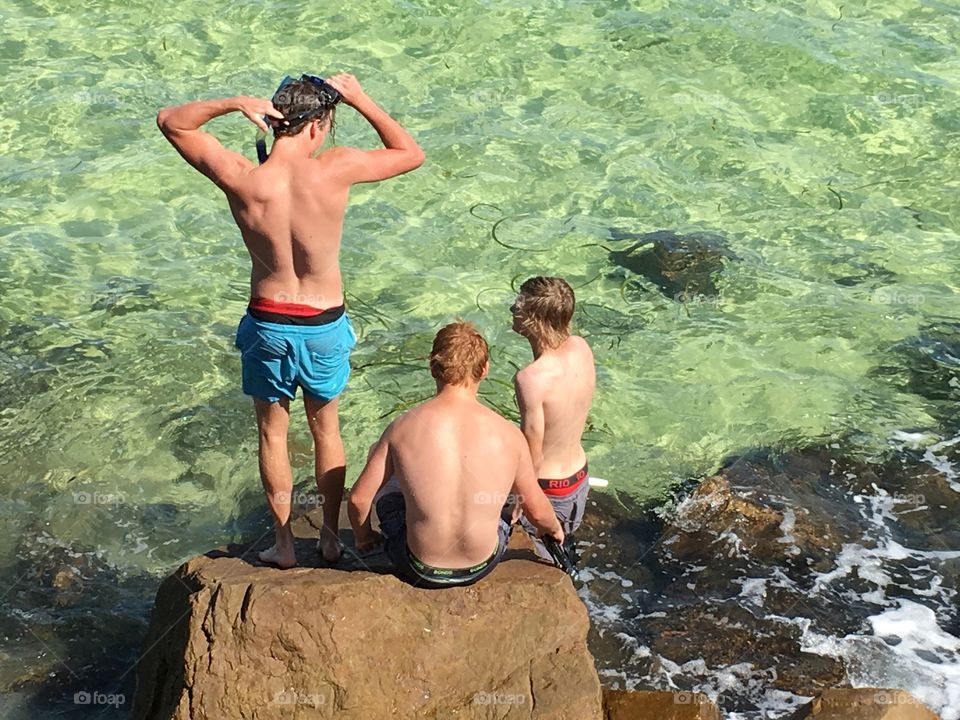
x,y
442,472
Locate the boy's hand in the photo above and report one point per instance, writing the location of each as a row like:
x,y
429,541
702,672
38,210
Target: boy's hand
x,y
348,87
255,108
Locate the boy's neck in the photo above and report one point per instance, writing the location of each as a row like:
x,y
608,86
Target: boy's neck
x,y
464,392
540,347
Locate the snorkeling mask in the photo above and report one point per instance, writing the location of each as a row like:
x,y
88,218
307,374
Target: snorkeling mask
x,y
328,96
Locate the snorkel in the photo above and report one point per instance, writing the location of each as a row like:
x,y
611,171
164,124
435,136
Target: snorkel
x,y
328,98
565,556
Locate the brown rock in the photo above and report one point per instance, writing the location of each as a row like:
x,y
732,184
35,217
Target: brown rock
x,y
730,635
864,704
715,509
68,586
230,640
647,705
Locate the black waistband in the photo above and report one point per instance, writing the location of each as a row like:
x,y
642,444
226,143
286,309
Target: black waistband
x,y
453,576
322,318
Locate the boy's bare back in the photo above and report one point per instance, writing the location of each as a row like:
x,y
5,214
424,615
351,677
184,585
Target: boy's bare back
x,y
290,209
290,214
457,462
554,393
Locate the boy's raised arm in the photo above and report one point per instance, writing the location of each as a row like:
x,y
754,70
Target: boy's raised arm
x,y
400,152
180,125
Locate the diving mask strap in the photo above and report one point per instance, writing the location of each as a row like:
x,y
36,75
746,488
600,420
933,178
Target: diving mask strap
x,y
262,147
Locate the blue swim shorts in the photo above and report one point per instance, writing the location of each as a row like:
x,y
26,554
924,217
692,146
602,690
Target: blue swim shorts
x,y
278,358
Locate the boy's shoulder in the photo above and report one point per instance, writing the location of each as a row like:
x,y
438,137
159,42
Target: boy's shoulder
x,y
531,378
579,342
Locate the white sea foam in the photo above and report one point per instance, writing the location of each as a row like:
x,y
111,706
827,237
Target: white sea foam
x,y
901,644
754,590
912,440
908,649
933,447
775,704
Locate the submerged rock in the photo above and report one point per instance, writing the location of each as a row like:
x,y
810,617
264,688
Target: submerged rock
x,y
716,517
682,266
928,365
230,640
120,295
866,271
730,636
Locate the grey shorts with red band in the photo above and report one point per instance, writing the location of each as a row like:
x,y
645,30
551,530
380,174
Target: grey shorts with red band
x,y
569,499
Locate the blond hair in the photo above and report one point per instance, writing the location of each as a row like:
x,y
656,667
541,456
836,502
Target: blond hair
x,y
544,308
459,355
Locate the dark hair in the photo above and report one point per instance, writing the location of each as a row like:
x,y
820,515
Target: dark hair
x,y
304,102
459,354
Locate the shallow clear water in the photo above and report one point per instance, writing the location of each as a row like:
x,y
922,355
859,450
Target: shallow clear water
x,y
818,138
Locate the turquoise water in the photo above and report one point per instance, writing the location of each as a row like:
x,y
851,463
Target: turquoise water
x,y
818,138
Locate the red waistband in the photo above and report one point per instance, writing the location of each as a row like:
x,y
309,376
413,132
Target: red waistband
x,y
284,308
566,486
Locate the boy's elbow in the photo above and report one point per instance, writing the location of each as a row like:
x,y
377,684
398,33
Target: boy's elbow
x,y
417,157
162,120
540,514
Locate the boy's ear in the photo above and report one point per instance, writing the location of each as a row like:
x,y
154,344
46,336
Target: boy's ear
x,y
486,370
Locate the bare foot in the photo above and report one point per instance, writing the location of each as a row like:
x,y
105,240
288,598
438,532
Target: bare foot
x,y
329,547
281,559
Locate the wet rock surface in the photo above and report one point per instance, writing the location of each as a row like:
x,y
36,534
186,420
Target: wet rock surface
x,y
58,643
756,585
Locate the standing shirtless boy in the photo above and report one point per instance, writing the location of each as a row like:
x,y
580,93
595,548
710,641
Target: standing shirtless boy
x,y
554,393
290,213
